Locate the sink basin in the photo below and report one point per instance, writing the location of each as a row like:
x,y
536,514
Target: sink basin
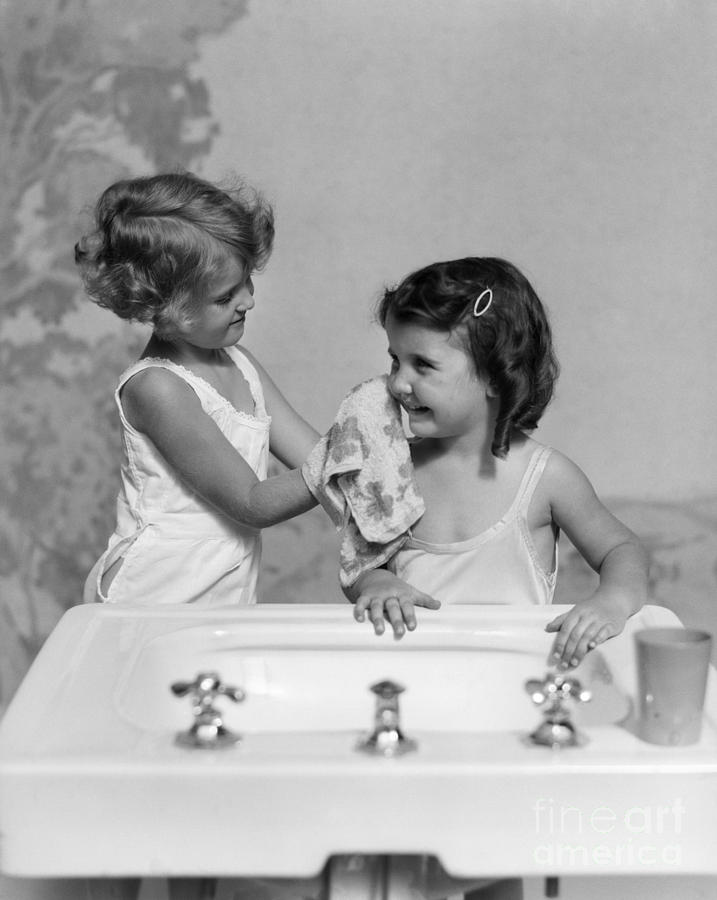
x,y
315,676
89,770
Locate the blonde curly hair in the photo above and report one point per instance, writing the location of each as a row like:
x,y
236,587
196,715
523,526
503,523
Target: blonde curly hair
x,y
157,239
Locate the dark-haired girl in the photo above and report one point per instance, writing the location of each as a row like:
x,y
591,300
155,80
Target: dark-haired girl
x,y
473,368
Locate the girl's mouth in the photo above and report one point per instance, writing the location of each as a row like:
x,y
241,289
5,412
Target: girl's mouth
x,y
415,410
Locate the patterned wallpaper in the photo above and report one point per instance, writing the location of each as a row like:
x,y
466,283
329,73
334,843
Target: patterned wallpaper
x,y
90,92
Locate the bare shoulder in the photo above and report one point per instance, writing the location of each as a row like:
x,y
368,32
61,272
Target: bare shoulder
x,y
563,486
561,471
574,503
580,513
153,393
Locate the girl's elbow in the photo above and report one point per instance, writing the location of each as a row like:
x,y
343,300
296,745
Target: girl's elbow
x,y
629,553
257,518
259,513
632,547
244,512
639,553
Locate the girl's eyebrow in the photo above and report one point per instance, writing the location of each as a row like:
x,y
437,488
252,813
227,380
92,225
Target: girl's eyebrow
x,y
417,356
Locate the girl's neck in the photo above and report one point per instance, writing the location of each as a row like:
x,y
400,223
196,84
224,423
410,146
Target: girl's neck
x,y
183,353
473,446
470,452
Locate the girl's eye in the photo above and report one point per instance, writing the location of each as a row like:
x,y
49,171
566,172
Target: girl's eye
x,y
222,301
422,365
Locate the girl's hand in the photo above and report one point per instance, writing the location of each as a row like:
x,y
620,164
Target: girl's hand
x,y
382,595
586,625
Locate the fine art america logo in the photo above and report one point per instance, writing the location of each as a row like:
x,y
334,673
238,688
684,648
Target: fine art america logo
x,y
570,836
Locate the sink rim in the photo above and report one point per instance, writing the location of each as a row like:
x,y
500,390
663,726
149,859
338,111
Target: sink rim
x,y
89,620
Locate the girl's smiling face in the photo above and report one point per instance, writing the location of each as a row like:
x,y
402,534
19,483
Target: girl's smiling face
x,y
218,319
434,379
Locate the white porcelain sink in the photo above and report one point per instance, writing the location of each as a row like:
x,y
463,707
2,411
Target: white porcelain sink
x,y
89,770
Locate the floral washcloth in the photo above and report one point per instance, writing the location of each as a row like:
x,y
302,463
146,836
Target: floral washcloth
x,y
362,474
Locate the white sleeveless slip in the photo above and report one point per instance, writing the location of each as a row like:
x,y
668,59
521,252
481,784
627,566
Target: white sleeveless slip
x,y
500,565
175,547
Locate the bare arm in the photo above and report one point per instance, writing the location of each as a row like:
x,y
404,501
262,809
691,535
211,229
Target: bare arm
x,y
163,407
292,438
610,548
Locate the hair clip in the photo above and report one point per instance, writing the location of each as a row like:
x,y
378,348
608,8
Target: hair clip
x,y
478,313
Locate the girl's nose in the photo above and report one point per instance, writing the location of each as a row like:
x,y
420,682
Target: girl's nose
x,y
245,297
398,384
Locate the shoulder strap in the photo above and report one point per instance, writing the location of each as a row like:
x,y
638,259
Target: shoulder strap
x,y
248,370
533,473
148,363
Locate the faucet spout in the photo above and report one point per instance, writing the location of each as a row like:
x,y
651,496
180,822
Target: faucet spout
x,y
387,738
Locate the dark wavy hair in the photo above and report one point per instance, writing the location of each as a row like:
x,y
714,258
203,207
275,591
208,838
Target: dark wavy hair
x,y
510,344
157,239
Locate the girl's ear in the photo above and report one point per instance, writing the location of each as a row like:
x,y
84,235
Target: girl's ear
x,y
491,391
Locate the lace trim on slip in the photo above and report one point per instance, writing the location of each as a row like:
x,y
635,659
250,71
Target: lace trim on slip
x,y
192,376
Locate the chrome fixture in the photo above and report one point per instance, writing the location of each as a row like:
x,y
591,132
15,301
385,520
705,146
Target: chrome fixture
x,y
208,730
552,693
386,739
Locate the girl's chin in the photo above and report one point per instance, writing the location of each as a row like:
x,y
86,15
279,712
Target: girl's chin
x,y
233,334
421,424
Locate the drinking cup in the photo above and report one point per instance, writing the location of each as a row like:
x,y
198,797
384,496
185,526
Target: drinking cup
x,y
672,668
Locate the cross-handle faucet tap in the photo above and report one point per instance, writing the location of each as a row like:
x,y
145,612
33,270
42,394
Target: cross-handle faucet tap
x,y
208,730
552,693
